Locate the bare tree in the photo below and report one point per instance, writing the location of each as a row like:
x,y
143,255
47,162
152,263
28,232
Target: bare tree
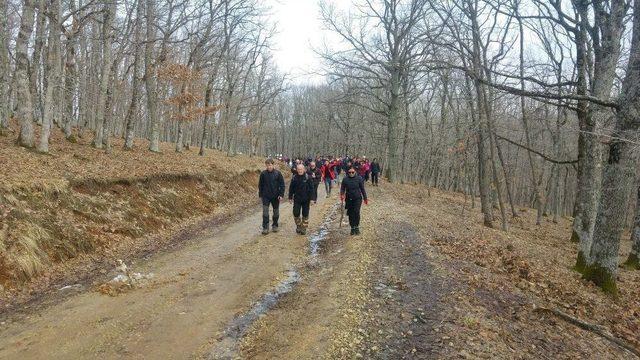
x,y
24,98
379,62
618,174
53,74
5,67
133,106
109,12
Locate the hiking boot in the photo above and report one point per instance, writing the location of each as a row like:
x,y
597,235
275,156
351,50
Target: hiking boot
x,y
298,225
274,228
304,223
353,231
265,231
357,231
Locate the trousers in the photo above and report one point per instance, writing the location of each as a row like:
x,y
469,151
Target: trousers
x,y
353,211
275,203
301,207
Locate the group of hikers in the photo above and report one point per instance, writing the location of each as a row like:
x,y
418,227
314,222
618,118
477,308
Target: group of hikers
x,y
350,174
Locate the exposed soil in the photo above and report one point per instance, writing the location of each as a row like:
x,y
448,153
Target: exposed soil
x,y
195,293
66,218
426,280
372,296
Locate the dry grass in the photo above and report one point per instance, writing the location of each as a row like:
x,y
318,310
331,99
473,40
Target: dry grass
x,y
80,200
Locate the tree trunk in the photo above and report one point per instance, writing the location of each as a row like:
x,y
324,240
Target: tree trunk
x,y
392,128
53,62
484,180
35,69
633,261
133,107
108,113
180,138
207,103
5,67
109,12
150,78
590,116
618,175
507,181
23,92
70,81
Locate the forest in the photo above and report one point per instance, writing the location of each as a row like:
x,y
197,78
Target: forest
x,y
515,102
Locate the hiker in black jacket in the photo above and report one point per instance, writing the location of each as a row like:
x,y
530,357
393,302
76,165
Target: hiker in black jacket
x,y
352,192
301,194
271,191
375,172
314,173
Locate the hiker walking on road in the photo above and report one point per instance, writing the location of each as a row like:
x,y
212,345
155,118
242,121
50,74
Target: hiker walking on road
x,y
338,170
271,191
316,175
375,172
352,192
327,176
294,166
301,194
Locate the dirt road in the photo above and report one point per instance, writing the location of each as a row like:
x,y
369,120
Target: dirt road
x,y
393,293
193,296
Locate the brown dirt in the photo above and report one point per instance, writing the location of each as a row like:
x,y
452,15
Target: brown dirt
x,y
67,216
195,293
429,281
504,275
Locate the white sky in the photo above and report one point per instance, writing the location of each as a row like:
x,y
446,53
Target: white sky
x,y
299,31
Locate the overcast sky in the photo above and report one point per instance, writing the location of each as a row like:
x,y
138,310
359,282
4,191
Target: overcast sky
x,y
299,31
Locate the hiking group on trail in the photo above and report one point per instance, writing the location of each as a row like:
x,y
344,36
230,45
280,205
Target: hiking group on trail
x,y
350,174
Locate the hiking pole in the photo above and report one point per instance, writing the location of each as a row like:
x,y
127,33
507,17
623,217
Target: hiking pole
x,y
341,213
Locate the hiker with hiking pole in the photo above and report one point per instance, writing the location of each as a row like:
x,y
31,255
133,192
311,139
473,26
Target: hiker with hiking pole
x,y
271,191
352,193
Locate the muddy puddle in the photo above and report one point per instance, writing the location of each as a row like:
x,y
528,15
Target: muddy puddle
x,y
227,345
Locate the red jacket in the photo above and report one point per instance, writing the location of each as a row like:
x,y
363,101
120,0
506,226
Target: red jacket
x,y
327,170
364,167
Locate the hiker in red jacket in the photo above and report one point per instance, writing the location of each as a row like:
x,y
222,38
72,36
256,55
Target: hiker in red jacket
x,y
362,170
327,176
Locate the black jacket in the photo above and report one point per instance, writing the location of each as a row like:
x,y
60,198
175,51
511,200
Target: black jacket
x,y
318,177
375,167
353,188
271,184
301,188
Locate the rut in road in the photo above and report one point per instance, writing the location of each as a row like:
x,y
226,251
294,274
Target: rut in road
x,y
227,345
372,296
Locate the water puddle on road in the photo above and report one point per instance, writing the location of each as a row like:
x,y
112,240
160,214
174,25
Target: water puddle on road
x,y
316,239
227,345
